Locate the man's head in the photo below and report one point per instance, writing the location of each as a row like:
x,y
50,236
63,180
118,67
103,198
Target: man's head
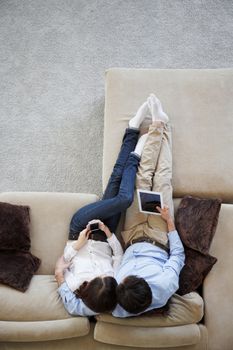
x,y
134,294
99,294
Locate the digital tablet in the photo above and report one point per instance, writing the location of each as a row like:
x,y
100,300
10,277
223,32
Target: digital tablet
x,y
148,201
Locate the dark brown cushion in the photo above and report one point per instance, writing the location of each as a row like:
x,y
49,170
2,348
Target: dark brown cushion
x,y
196,222
197,266
17,269
17,264
14,227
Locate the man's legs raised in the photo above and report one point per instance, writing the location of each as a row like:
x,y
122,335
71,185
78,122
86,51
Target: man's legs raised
x,y
155,173
144,180
157,227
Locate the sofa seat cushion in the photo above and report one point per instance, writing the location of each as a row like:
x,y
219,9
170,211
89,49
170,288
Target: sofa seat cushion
x,y
39,331
40,302
183,310
178,328
148,337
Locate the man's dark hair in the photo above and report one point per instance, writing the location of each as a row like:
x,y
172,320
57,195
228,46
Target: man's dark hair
x,y
134,294
99,294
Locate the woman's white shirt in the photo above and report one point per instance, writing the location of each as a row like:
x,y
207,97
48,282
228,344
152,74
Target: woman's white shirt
x,y
94,259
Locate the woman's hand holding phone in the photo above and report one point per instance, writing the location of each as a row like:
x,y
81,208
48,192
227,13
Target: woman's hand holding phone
x,y
82,239
101,226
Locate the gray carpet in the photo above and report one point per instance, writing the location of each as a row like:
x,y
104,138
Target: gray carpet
x,y
52,63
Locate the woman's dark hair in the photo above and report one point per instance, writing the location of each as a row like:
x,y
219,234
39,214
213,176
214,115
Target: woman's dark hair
x,y
99,294
134,294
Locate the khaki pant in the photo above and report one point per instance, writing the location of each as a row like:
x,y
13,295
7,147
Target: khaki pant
x,y
154,173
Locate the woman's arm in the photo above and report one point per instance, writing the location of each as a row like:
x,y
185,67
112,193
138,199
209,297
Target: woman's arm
x,y
60,267
82,239
73,246
114,243
117,251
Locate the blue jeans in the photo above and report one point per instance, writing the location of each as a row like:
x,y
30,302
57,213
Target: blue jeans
x,y
119,192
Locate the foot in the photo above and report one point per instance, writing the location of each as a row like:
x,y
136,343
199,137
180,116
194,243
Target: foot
x,y
140,144
141,114
156,109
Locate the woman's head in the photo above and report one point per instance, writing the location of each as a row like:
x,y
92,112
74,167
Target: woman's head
x,y
99,294
134,294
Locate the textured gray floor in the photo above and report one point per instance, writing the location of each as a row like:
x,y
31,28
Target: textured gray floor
x,y
52,62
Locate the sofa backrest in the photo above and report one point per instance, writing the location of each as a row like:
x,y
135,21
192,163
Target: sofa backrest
x,y
50,215
200,106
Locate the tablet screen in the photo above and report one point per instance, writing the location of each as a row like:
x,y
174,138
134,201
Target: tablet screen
x,y
148,201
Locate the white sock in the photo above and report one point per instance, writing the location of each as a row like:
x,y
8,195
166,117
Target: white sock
x,y
141,114
140,144
156,109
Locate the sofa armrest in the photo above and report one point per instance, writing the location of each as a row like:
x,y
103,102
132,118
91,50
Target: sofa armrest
x,y
218,285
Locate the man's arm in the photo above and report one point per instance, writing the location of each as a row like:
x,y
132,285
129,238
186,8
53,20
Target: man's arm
x,y
177,257
175,262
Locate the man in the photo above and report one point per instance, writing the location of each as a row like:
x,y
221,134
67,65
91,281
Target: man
x,y
149,272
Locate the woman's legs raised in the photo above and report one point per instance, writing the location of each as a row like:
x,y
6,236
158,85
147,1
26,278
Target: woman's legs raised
x,y
128,145
107,208
119,191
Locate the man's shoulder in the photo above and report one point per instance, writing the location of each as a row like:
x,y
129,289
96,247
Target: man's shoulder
x,y
121,313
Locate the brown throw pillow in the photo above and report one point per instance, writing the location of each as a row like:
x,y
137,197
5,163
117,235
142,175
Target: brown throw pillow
x,y
197,266
14,227
196,222
17,269
17,264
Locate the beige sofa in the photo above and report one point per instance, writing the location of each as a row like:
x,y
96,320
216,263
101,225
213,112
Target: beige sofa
x,y
199,103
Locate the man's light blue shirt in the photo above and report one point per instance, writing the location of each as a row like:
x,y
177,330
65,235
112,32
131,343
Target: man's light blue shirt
x,y
160,270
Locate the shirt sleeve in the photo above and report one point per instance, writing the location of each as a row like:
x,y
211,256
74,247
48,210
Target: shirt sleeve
x,y
177,256
169,280
73,305
117,250
69,251
121,313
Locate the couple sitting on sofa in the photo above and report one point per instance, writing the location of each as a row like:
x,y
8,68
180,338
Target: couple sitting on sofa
x,y
94,275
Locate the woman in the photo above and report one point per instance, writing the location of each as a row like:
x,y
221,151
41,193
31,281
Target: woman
x,y
93,262
95,255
